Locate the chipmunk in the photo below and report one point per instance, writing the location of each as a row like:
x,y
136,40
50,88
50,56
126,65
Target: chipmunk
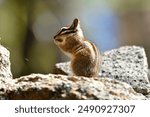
x,y
85,56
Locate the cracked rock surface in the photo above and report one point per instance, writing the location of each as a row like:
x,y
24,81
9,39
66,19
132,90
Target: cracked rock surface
x,y
39,86
127,64
5,71
123,77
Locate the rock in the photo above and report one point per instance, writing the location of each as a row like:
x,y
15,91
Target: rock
x,y
6,85
106,86
38,86
62,68
149,74
148,97
5,71
127,64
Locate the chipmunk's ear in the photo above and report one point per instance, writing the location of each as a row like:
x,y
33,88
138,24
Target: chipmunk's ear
x,y
75,24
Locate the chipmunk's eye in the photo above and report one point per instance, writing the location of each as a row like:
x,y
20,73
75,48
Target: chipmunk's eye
x,y
63,29
59,40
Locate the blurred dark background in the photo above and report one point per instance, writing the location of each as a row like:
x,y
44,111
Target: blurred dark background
x,y
27,28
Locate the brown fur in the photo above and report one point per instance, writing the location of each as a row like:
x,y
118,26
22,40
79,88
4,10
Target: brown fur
x,y
85,56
